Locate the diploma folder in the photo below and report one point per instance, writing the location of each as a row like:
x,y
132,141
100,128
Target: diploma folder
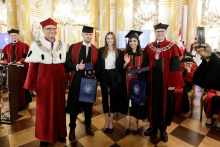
x,y
89,69
146,68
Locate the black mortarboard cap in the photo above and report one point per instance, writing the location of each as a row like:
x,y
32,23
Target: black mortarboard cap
x,y
13,31
187,60
161,26
87,29
188,54
133,33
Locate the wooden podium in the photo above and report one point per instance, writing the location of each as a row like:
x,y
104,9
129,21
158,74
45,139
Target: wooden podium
x,y
12,75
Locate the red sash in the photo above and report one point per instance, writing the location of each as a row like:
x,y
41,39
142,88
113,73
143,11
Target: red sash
x,y
75,55
138,64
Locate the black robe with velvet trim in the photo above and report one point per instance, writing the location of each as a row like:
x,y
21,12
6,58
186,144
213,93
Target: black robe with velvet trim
x,y
207,74
139,112
73,104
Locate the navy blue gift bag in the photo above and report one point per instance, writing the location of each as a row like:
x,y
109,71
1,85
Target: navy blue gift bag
x,y
138,91
88,90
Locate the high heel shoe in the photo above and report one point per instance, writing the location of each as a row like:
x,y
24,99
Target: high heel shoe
x,y
106,130
135,132
127,131
110,130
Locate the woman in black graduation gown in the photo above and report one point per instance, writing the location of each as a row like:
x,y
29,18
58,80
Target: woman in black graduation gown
x,y
132,58
109,78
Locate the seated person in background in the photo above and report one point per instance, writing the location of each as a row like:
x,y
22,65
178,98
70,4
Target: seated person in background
x,y
212,106
188,55
181,93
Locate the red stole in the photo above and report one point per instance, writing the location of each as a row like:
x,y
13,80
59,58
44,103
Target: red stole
x,y
138,64
75,55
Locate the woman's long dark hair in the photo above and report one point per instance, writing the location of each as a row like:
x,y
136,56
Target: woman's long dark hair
x,y
105,53
129,49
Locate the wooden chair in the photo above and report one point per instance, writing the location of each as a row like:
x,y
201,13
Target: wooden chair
x,y
202,98
192,96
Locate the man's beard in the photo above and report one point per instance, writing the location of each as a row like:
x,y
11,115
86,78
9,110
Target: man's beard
x,y
87,41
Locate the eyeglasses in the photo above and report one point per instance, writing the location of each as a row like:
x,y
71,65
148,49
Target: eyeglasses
x,y
160,32
50,29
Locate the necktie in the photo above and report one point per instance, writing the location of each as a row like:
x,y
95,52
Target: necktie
x,y
87,50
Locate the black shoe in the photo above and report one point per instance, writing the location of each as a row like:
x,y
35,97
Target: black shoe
x,y
110,130
105,130
135,132
217,128
26,106
61,139
163,136
22,108
127,131
43,144
149,131
208,125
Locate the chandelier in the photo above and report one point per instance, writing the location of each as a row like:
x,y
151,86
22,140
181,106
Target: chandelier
x,y
63,14
212,16
146,11
3,14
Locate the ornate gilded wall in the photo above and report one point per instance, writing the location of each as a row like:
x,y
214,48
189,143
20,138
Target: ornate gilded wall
x,y
105,20
24,21
119,16
175,20
94,18
11,14
192,21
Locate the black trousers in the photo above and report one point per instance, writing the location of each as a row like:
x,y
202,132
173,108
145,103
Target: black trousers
x,y
112,84
87,108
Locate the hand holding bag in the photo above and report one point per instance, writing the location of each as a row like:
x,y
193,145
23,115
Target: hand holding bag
x,y
138,91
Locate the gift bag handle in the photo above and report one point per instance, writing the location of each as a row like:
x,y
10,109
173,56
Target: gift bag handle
x,y
139,76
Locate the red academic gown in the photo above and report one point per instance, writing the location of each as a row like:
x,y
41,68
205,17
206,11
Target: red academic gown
x,y
49,82
209,102
181,93
165,71
20,49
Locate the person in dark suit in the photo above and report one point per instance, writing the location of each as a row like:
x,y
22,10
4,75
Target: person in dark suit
x,y
109,78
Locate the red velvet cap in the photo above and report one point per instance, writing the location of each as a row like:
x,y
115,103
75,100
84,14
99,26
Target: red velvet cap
x,y
48,21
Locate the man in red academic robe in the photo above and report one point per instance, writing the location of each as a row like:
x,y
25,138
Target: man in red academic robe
x,y
46,75
16,52
165,74
181,93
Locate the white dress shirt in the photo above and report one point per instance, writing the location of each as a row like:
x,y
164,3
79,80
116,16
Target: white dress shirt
x,y
110,60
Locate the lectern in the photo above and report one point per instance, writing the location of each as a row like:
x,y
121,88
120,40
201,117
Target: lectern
x,y
12,76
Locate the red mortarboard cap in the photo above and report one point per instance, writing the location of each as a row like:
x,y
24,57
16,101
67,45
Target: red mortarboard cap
x,y
48,21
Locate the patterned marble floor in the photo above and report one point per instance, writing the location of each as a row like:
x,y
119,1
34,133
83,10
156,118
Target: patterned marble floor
x,y
185,130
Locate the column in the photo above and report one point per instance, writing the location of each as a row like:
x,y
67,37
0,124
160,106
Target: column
x,y
58,26
192,22
94,18
11,14
165,14
175,20
105,20
24,22
200,12
119,16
